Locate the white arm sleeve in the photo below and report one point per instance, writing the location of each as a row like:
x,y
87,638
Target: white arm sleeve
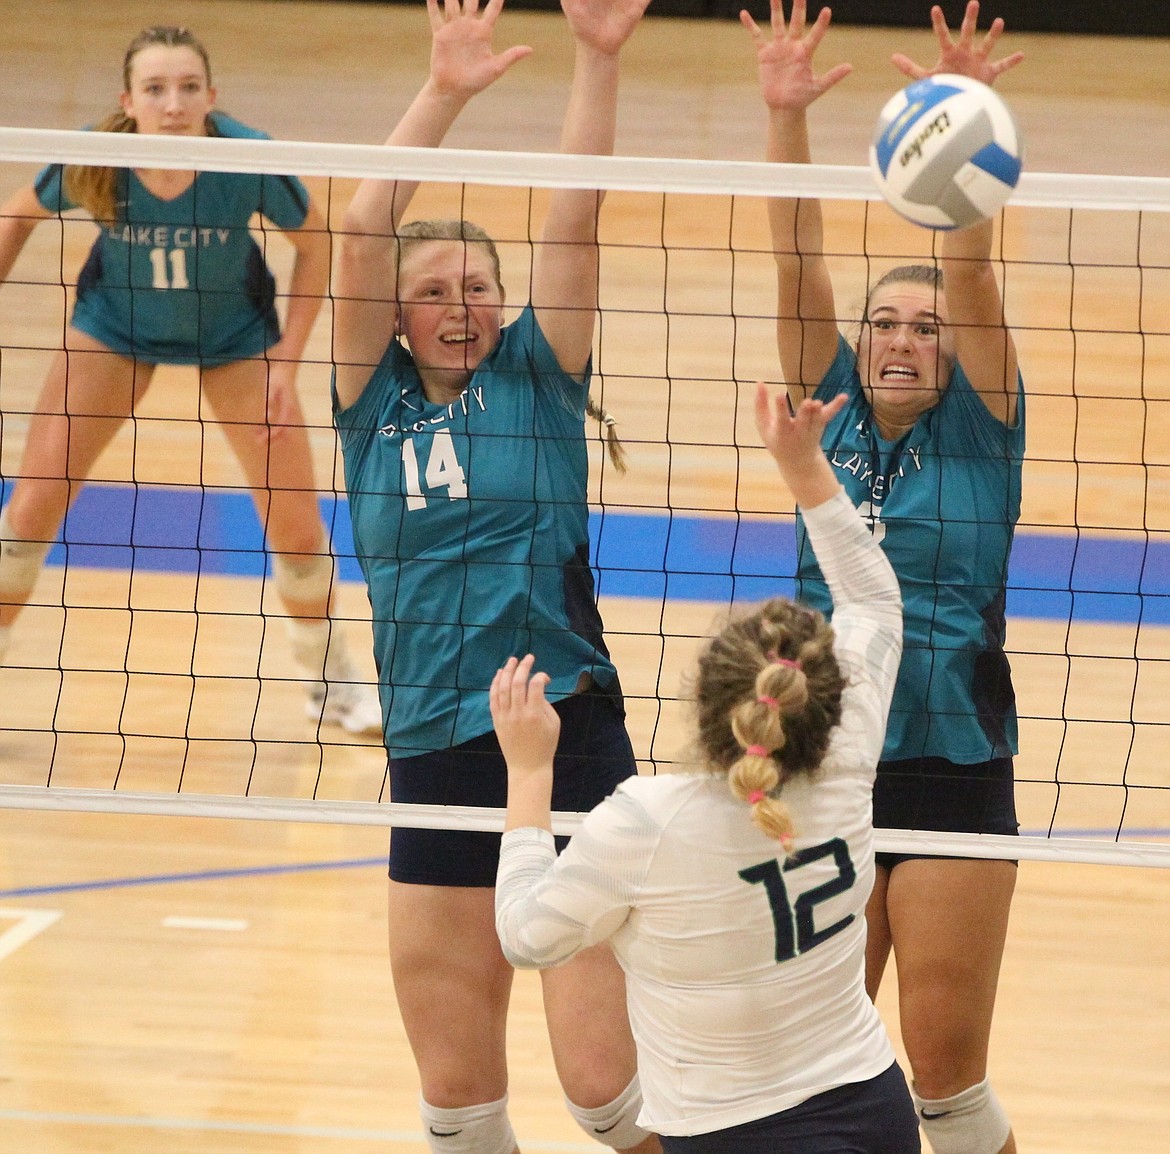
x,y
867,615
548,907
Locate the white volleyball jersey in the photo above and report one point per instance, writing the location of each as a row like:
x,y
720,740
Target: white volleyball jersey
x,y
744,968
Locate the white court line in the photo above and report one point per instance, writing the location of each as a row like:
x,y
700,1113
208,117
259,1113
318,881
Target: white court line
x,y
178,922
29,923
339,1132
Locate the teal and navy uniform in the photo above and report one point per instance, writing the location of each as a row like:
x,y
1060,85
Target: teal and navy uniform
x,y
183,281
470,522
944,501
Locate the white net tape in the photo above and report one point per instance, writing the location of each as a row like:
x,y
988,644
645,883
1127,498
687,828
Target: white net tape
x,y
546,170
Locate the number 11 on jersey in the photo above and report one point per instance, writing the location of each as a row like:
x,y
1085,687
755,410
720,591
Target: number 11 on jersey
x,y
173,278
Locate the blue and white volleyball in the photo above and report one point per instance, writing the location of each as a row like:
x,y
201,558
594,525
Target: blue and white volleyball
x,y
946,152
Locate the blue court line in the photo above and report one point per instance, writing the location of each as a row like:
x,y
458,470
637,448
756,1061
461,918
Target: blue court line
x,y
1109,577
1130,835
193,876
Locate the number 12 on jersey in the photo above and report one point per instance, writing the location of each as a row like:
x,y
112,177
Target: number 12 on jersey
x,y
795,923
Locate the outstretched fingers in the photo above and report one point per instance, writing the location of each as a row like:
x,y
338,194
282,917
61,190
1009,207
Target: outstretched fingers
x,y
785,59
462,57
788,434
963,56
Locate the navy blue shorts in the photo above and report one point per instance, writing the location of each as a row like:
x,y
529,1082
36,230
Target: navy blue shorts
x,y
874,1117
593,757
932,793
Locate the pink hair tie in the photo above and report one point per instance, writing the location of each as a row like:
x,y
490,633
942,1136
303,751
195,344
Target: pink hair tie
x,y
756,796
764,699
758,751
774,658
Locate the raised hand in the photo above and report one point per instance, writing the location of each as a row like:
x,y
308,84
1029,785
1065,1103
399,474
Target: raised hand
x,y
603,25
963,57
462,58
794,440
784,62
526,725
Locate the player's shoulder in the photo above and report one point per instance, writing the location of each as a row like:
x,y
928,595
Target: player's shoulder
x,y
662,793
229,126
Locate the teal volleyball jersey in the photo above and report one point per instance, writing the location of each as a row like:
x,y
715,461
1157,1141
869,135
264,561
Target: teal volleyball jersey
x,y
183,281
470,523
943,502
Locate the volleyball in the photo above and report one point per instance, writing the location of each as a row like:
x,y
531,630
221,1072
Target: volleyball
x,y
946,152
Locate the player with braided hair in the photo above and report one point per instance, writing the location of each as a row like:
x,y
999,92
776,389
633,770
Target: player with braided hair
x,y
743,947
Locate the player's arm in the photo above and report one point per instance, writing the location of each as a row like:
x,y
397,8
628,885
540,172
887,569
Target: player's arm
x,y
564,281
308,283
806,324
867,605
545,911
307,286
983,342
19,215
528,729
366,310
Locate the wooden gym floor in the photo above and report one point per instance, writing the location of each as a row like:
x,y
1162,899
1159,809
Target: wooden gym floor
x,y
196,985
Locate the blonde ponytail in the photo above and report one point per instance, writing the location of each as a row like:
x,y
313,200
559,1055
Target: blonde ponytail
x,y
767,696
613,445
96,189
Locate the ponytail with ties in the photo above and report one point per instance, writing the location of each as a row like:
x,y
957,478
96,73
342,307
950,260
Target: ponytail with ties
x,y
768,695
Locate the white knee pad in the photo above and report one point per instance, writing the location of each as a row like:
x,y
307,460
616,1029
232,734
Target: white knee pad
x,y
616,1124
482,1129
303,581
20,562
970,1122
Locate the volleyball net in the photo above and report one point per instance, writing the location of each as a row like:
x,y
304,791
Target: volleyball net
x,y
151,671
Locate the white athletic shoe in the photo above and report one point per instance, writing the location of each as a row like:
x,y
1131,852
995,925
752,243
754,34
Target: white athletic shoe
x,y
352,705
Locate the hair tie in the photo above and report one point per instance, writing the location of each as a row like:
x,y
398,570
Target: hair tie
x,y
774,658
764,699
758,751
756,796
786,842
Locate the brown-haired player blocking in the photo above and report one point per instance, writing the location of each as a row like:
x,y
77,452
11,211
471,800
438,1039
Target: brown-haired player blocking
x,y
929,446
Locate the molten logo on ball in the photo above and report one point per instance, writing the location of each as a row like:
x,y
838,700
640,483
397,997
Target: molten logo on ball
x,y
946,152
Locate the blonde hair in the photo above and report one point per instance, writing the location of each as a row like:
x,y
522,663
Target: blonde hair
x,y
96,188
767,697
415,232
